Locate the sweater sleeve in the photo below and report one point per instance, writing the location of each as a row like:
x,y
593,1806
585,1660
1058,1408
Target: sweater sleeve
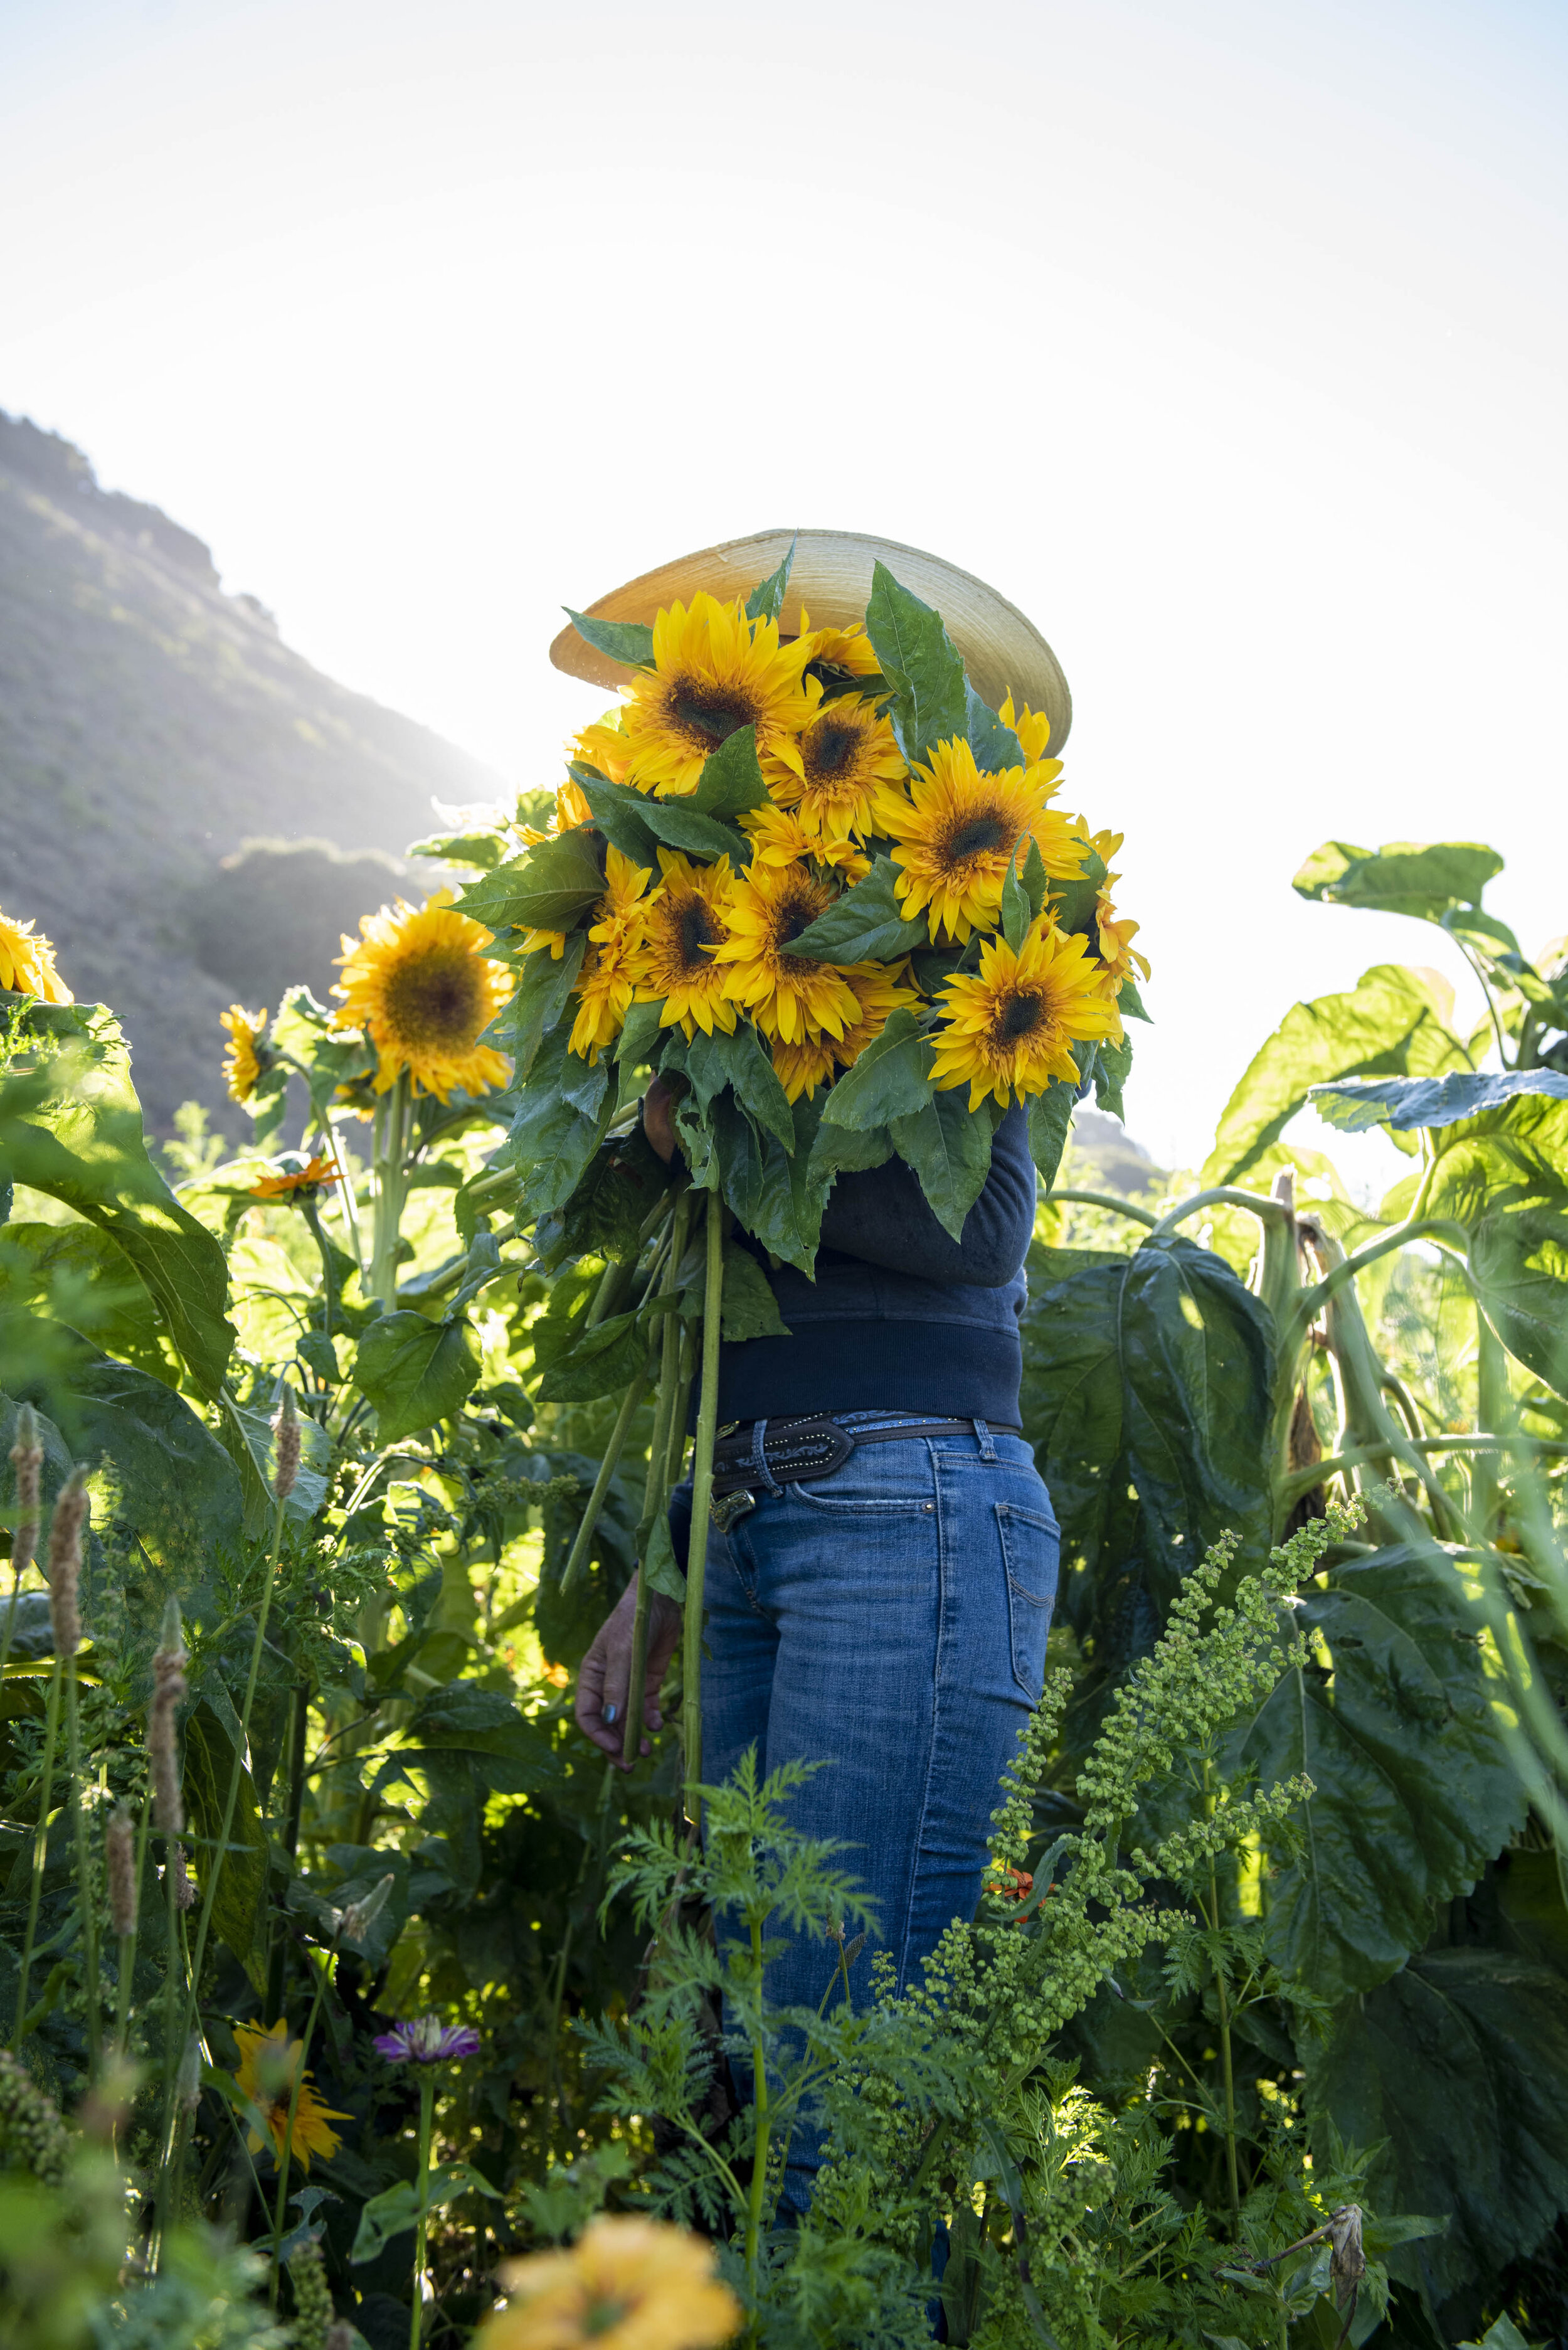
x,y
881,1216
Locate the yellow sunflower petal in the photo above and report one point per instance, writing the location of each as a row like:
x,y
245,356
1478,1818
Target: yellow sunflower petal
x,y
1010,1026
713,672
955,832
27,964
683,923
788,996
418,984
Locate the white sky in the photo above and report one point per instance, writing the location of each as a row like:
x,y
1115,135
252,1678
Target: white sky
x,y
1227,339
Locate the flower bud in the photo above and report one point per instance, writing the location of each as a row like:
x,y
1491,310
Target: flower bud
x,y
28,1460
66,1562
286,1427
162,1751
359,1917
120,1859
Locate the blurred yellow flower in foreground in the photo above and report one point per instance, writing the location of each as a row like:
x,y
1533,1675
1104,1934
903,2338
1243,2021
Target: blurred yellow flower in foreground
x,y
268,2062
417,982
27,964
630,2284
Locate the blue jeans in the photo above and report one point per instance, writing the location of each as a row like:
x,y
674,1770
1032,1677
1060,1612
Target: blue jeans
x,y
890,1621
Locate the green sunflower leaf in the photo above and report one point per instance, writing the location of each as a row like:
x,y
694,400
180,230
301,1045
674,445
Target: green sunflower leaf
x,y
630,641
756,1084
549,889
1404,877
415,1372
1050,1120
921,664
1130,1003
1016,915
635,822
891,1080
618,813
544,986
1113,1066
731,781
995,746
865,925
841,1151
949,1151
766,599
1036,880
749,1308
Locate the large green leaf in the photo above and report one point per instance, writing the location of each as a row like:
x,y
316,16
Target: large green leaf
x,y
552,1139
630,641
739,1060
1454,2070
1505,1177
76,1274
544,985
1146,1396
1404,877
599,1362
995,746
891,1080
1400,1721
415,1372
765,601
247,1438
637,823
749,1308
1050,1123
159,1472
731,780
1393,1022
921,663
71,1127
1406,1103
867,924
551,889
777,1195
949,1148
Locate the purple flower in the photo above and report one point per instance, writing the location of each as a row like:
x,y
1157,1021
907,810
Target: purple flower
x,y
426,2041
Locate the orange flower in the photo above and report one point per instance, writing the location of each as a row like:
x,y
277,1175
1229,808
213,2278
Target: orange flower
x,y
307,1179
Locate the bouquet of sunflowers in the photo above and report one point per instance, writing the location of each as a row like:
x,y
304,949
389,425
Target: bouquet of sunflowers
x,y
822,889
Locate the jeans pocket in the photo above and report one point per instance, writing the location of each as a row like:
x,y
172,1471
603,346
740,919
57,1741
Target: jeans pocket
x,y
1030,1544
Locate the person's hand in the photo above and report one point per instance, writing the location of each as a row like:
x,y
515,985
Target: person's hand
x,y
658,1118
604,1677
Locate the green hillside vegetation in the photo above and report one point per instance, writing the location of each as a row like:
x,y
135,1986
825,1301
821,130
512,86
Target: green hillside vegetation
x,y
188,809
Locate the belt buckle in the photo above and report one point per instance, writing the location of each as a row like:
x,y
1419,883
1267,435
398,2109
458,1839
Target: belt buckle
x,y
724,1509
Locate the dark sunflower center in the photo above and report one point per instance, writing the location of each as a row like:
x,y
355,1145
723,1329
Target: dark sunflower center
x,y
794,914
714,711
830,747
698,930
976,836
1018,1015
434,1000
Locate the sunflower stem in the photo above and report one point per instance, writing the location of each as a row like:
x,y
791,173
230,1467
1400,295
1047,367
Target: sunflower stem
x,y
701,1499
393,1118
656,1490
578,1553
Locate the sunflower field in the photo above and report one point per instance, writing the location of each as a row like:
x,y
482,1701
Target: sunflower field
x,y
351,1997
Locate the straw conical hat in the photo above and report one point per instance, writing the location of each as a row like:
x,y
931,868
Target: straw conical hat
x,y
1003,652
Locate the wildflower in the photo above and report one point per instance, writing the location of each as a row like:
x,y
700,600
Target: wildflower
x,y
604,986
245,1059
269,2062
1011,1028
28,1460
427,2041
66,1562
630,2284
296,1183
713,672
120,1862
27,964
417,982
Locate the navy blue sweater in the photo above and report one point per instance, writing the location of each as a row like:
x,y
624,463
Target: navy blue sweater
x,y
901,1317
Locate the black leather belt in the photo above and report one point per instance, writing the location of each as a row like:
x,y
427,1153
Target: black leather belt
x,y
811,1447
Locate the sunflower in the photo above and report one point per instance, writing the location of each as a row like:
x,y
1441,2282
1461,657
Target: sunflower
x,y
298,1183
683,921
787,996
778,837
604,985
418,984
846,756
714,671
27,964
604,746
1032,729
244,1062
878,990
269,2062
627,2283
849,649
956,832
571,809
804,1065
1010,1028
1118,956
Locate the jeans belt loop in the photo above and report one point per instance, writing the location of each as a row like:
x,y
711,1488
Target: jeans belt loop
x,y
987,1442
759,1459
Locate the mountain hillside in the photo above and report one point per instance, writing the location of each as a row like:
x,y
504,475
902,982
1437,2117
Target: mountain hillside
x,y
167,762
